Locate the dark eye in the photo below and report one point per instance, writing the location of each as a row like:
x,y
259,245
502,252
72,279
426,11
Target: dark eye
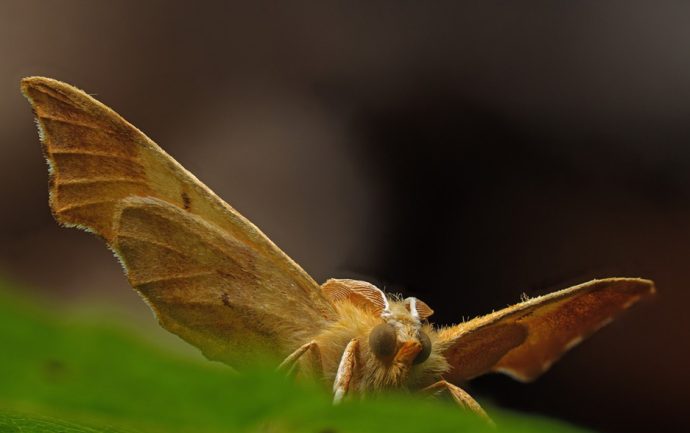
x,y
426,348
383,341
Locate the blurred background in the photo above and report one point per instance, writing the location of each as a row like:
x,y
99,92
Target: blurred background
x,y
462,152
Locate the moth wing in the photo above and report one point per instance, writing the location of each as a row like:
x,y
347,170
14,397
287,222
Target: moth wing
x,y
524,340
360,293
100,164
210,288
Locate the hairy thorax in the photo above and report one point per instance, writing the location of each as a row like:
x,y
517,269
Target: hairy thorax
x,y
373,373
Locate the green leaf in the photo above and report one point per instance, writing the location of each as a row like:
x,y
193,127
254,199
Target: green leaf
x,y
95,376
15,423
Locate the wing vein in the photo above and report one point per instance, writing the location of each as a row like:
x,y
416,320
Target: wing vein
x,y
74,123
97,154
89,181
153,242
84,204
176,277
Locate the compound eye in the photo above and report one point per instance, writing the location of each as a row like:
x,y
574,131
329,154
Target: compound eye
x,y
383,341
426,348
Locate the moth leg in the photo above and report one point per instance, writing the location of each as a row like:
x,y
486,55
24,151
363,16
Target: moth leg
x,y
290,362
461,397
346,370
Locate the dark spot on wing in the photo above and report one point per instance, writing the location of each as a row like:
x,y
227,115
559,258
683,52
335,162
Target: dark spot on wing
x,y
186,201
226,300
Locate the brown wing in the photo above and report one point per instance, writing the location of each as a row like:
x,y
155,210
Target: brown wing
x,y
360,293
209,288
524,340
99,162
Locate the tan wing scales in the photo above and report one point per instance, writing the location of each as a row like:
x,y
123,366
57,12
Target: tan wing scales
x,y
524,340
99,166
97,158
208,287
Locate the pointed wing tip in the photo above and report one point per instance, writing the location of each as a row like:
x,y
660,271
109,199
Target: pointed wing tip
x,y
56,89
32,86
647,286
33,82
37,80
641,286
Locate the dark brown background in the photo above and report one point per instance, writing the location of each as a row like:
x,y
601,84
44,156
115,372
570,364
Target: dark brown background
x,y
464,152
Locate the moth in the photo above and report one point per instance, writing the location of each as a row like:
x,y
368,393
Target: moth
x,y
214,279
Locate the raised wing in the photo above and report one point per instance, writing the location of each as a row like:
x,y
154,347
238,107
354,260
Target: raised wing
x,y
106,176
524,340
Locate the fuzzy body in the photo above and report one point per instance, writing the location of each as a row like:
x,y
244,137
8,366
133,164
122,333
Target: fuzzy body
x,y
373,374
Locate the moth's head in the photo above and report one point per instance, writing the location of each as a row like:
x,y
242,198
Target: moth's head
x,y
402,348
399,339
